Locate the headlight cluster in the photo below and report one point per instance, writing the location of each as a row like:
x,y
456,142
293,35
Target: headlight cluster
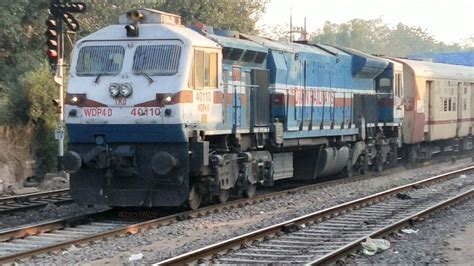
x,y
124,90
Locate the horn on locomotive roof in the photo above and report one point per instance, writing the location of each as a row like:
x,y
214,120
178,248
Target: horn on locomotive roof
x,y
135,15
149,16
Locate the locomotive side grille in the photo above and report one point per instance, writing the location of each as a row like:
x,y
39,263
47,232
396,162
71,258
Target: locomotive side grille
x,y
162,59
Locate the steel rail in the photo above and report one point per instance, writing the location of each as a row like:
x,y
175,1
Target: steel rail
x,y
154,223
34,200
337,254
318,216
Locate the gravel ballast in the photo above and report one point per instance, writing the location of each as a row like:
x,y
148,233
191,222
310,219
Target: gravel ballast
x,y
166,241
445,238
47,213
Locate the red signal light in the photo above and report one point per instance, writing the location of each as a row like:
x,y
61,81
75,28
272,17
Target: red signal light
x,y
52,53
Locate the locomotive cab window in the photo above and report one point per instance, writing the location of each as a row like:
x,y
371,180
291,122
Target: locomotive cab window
x,y
203,70
385,85
100,60
157,60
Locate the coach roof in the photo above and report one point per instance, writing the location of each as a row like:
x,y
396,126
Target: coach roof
x,y
438,70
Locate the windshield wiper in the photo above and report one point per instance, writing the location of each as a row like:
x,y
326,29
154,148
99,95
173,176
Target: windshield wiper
x,y
150,80
98,77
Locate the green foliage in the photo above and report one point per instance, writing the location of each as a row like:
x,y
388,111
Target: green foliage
x,y
376,37
32,101
223,14
21,37
238,15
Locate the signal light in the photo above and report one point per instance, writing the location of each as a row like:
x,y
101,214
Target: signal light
x,y
71,22
60,10
52,54
52,33
75,7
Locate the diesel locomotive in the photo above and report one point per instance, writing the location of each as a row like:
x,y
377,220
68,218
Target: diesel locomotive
x,y
160,114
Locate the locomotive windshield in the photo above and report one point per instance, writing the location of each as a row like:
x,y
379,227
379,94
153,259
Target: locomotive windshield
x,y
160,59
100,60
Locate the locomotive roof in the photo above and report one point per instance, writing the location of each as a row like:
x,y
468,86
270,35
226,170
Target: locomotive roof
x,y
439,70
365,65
289,47
152,31
238,43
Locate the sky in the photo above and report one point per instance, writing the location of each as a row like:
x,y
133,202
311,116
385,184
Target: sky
x,y
450,21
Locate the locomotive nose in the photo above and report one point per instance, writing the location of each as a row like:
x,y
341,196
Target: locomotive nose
x,y
72,162
163,162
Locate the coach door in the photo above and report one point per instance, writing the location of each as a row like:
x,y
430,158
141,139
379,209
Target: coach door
x,y
463,114
260,94
428,107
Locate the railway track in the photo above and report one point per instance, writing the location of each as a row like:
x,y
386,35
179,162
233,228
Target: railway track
x,y
36,239
326,236
24,202
34,200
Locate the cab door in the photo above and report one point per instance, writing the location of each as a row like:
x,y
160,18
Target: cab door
x,y
260,97
236,89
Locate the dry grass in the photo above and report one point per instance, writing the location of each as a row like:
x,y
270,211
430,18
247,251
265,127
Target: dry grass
x,y
15,154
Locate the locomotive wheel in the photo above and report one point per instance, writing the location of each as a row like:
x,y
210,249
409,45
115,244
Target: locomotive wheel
x,y
379,164
194,199
250,190
223,196
349,171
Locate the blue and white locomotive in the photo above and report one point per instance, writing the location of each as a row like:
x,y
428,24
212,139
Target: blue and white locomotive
x,y
159,114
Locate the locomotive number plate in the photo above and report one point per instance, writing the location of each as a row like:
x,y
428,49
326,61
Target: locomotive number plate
x,y
145,111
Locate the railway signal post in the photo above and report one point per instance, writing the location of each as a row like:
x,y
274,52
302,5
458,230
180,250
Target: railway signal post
x,y
60,11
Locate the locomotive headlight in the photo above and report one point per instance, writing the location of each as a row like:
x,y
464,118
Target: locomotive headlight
x,y
167,99
126,90
74,100
114,89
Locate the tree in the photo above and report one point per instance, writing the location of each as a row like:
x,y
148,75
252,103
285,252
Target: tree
x,y
376,37
21,37
238,15
275,32
31,101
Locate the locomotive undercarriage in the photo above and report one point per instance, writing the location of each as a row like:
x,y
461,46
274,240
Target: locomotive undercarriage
x,y
238,163
144,174
213,167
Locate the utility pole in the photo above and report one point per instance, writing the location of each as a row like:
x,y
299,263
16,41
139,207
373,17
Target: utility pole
x,y
60,12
